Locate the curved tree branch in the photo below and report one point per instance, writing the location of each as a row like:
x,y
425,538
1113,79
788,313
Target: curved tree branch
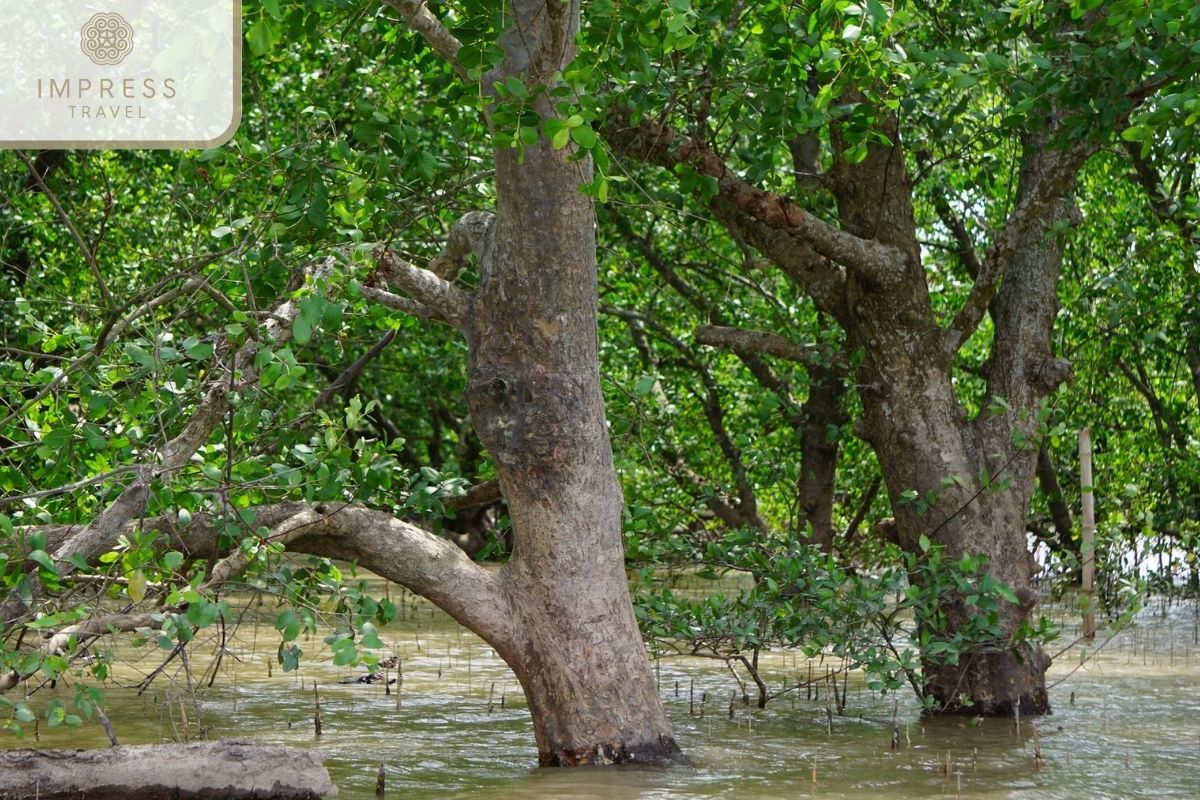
x,y
740,340
433,290
440,296
481,494
745,512
819,277
433,567
658,143
435,33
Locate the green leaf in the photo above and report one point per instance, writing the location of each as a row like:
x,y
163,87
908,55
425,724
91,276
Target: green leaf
x,y
1006,591
288,623
58,438
370,637
301,329
263,35
42,559
289,657
197,349
995,62
318,206
203,614
515,87
344,652
584,136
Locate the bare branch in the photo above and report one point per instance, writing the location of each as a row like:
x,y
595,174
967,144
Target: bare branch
x,y
224,571
418,16
1169,432
106,335
705,305
740,340
441,297
404,304
864,508
351,373
967,320
469,236
820,278
658,143
481,494
119,326
1060,512
962,238
745,513
1164,206
986,276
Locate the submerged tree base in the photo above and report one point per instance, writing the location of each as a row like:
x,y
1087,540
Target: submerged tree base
x,y
991,685
663,751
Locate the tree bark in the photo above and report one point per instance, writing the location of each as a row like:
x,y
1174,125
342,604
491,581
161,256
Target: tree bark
x,y
235,769
559,612
533,387
974,478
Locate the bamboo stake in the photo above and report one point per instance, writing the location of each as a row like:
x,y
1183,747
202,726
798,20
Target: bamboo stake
x,y
1088,545
896,727
317,710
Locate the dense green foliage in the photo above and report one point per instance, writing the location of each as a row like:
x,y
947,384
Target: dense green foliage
x,y
126,275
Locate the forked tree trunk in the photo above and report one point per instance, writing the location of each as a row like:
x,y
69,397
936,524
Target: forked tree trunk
x,y
534,394
973,476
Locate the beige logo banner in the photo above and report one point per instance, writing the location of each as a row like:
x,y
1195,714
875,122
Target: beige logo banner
x,y
120,73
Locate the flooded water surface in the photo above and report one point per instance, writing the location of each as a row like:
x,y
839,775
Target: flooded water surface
x,y
1126,723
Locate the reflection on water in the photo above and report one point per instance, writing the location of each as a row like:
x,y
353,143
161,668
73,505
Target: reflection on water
x,y
1126,724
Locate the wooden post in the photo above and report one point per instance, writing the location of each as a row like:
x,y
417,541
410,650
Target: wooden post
x,y
1088,545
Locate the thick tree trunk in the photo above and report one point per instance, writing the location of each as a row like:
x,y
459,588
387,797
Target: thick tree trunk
x,y
534,394
973,482
234,769
972,499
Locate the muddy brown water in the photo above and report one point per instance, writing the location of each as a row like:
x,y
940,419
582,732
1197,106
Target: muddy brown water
x,y
1126,723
